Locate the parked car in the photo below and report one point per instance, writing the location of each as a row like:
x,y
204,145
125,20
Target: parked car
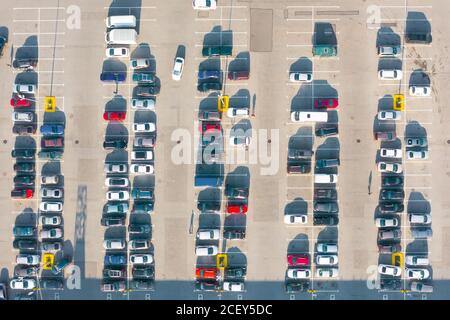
x,y
390,115
390,74
22,284
327,163
296,218
422,233
391,153
145,77
416,142
51,246
326,103
296,154
239,75
143,272
327,272
22,193
421,287
24,88
327,248
204,4
116,168
52,130
47,206
387,194
139,228
325,207
115,259
208,234
28,259
236,208
24,167
116,207
142,194
54,233
114,273
389,270
141,259
417,260
233,286
115,286
206,285
114,244
51,193
298,273
238,112
389,51
392,181
117,195
117,182
390,167
22,116
391,207
325,220
22,129
328,130
50,220
50,155
326,260
24,271
119,52
416,273
114,116
51,284
144,127
112,220
139,244
142,155
386,222
298,260
389,248
325,194
19,101
143,104
178,67
385,135
417,155
145,207
420,91
147,90
22,244
139,63
419,218
206,250
389,234
300,77
209,86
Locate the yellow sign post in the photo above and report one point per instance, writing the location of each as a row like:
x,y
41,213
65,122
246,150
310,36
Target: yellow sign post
x,y
399,102
49,104
48,259
222,103
222,261
397,259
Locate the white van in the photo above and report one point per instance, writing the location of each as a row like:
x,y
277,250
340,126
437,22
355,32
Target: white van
x,y
325,178
121,36
121,22
307,116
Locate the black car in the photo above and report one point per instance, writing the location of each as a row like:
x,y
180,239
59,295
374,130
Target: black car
x,y
25,63
391,207
143,272
300,154
325,220
208,86
325,131
392,181
22,193
23,129
208,205
112,220
206,286
299,167
3,42
141,284
235,192
234,234
325,207
293,287
27,180
24,166
23,153
52,284
390,284
392,194
23,244
418,37
325,194
115,144
146,91
235,272
139,228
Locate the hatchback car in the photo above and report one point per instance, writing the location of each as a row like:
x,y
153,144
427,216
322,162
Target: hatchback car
x,y
49,220
208,234
389,51
52,130
117,182
390,167
144,127
18,101
391,234
115,259
28,259
325,207
238,112
327,248
327,272
236,208
144,142
414,260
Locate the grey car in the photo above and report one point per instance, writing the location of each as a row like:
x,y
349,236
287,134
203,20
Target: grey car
x,y
326,207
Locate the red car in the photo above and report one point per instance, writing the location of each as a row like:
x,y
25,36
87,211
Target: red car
x,y
236,208
16,101
326,103
22,193
114,116
206,273
206,126
238,75
298,260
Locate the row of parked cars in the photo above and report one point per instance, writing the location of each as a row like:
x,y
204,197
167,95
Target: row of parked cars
x,y
136,252
392,194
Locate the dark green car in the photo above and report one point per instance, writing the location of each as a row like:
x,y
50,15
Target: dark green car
x,y
327,131
50,155
24,167
138,194
327,163
209,51
26,180
23,153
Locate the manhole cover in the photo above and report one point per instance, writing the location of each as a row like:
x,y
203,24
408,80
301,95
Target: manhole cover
x,y
77,142
269,141
179,141
358,140
5,141
448,141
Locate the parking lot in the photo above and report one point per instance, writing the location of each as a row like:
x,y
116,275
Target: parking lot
x,y
272,39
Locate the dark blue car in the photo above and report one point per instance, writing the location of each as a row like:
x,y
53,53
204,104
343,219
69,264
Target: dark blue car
x,y
115,259
108,76
52,129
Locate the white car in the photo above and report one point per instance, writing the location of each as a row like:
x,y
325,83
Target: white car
x,y
390,74
23,116
116,168
24,88
49,220
49,179
117,195
300,77
202,251
144,142
390,167
55,233
327,248
139,63
22,284
417,274
114,244
416,260
298,273
143,104
419,218
233,286
178,66
238,112
389,270
117,182
50,206
385,222
117,52
144,127
417,155
327,272
28,259
142,155
142,168
327,260
420,91
389,51
391,153
51,193
239,141
204,4
295,219
390,115
141,259
416,142
208,234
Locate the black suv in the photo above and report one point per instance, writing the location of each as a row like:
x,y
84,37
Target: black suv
x,y
326,220
115,144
